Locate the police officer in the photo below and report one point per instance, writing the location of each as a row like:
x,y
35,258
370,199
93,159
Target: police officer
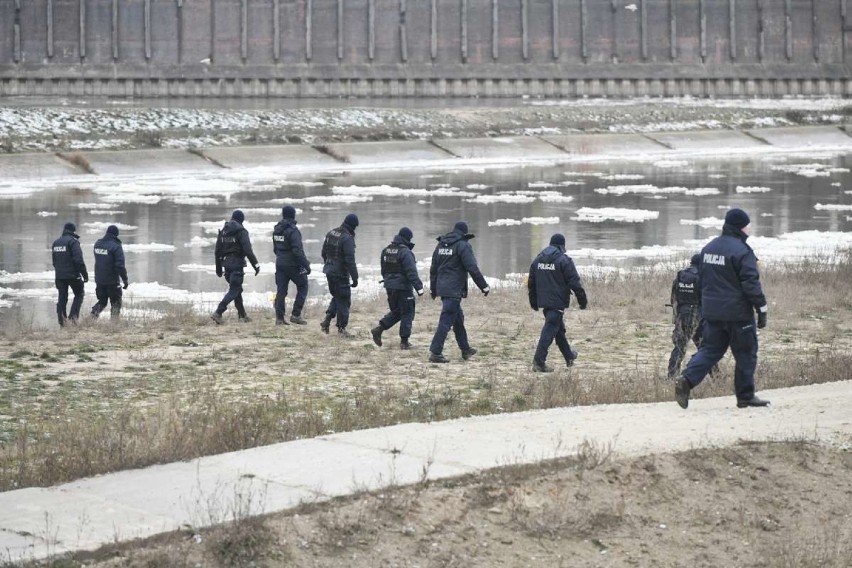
x,y
338,254
452,261
552,278
109,269
730,295
70,271
233,246
399,271
686,304
291,265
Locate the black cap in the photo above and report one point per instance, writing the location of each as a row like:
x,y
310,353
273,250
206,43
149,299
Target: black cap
x,y
695,260
70,227
112,230
351,220
461,227
238,216
406,234
558,239
737,218
288,212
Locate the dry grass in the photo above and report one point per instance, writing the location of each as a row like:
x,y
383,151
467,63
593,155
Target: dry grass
x,y
80,160
179,388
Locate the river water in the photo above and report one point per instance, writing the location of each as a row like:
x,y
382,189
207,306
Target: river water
x,y
615,215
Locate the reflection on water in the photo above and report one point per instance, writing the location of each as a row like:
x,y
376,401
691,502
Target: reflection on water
x,y
513,212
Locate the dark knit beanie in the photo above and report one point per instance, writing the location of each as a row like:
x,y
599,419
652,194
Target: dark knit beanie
x,y
737,218
695,260
461,227
351,220
288,212
112,230
70,227
406,234
238,216
558,240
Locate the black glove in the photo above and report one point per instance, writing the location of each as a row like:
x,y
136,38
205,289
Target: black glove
x,y
85,278
535,308
126,284
305,271
256,269
761,319
584,306
355,283
485,291
219,271
433,294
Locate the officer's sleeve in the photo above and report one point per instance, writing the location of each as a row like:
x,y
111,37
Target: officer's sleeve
x,y
469,263
673,300
298,251
433,271
77,258
349,258
531,288
245,243
409,268
572,278
750,281
118,260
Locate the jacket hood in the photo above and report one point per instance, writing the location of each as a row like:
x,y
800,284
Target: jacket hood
x,y
110,237
400,240
348,228
454,237
732,231
232,227
284,223
71,233
552,252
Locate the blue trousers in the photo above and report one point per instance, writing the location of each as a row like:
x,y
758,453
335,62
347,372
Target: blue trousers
x,y
741,337
341,300
108,293
452,317
283,277
234,277
401,304
554,328
76,285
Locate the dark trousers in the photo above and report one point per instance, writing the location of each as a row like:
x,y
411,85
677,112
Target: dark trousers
x,y
76,285
107,293
554,328
234,277
341,300
741,337
283,277
452,317
687,326
401,304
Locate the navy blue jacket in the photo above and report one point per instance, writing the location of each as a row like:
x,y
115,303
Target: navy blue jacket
x,y
68,260
233,246
686,290
338,253
404,272
730,283
452,261
287,245
109,261
552,278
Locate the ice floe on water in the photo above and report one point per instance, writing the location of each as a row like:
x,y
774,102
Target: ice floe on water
x,y
47,213
811,170
345,199
391,191
646,252
832,207
254,228
97,205
194,200
554,197
132,198
524,220
502,198
200,242
706,222
599,215
649,189
622,177
93,227
148,247
12,277
304,183
670,163
477,186
753,189
107,212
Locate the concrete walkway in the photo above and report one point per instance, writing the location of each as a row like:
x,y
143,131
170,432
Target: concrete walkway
x,y
88,513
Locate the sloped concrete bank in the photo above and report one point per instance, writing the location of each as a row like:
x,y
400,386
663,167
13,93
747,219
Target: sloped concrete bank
x,y
436,153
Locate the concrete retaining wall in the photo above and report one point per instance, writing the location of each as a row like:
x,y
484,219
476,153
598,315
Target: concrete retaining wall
x,y
408,48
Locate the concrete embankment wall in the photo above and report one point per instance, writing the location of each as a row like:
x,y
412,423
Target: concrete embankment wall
x,y
437,153
411,48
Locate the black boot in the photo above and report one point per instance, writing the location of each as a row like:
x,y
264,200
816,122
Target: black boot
x,y
377,334
753,401
325,324
404,344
